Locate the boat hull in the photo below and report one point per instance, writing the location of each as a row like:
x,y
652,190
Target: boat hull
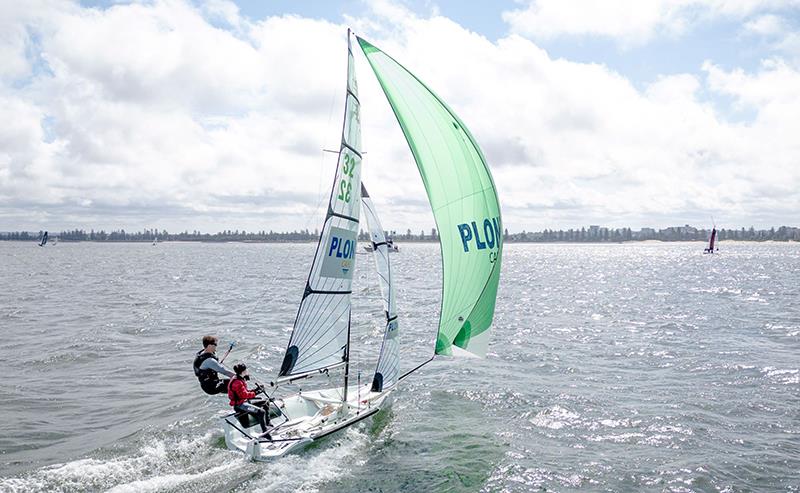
x,y
304,418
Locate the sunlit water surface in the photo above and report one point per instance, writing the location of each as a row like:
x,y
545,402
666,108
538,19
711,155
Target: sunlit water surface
x,y
637,367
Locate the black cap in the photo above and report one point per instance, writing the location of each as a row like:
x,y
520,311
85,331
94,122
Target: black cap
x,y
239,368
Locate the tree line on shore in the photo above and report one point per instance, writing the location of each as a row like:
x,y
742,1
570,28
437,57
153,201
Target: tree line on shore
x,y
592,234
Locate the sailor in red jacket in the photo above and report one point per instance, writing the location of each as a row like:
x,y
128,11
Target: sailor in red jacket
x,y
239,395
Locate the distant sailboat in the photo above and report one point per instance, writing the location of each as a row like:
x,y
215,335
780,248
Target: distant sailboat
x,y
712,240
370,247
43,240
467,212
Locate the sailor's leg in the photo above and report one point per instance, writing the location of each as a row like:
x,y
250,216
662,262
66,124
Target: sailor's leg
x,y
256,411
264,404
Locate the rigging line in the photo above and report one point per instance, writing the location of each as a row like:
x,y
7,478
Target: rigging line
x,y
404,375
320,196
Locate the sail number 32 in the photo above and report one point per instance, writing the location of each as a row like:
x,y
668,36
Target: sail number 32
x,y
346,185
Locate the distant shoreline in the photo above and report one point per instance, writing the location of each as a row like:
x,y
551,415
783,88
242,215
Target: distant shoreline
x,y
413,241
592,234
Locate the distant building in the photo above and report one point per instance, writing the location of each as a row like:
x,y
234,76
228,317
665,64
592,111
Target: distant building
x,y
645,234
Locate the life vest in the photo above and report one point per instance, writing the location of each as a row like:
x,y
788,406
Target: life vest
x,y
240,395
204,375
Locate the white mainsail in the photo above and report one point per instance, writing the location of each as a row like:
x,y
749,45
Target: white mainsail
x,y
320,338
388,368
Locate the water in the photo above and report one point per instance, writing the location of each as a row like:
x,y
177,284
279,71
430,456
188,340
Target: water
x,y
637,367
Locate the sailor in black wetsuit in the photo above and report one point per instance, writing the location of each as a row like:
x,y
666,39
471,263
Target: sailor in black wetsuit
x,y
207,368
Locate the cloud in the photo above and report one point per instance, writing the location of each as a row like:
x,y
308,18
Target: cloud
x,y
631,21
778,33
766,25
197,117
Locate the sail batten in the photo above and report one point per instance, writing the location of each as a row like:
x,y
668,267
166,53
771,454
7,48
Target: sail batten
x,y
463,198
320,336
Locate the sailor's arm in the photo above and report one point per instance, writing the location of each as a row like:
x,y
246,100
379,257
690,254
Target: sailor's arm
x,y
212,364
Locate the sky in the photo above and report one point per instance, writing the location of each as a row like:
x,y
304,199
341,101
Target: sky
x,y
212,115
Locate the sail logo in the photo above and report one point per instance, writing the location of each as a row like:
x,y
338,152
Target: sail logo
x,y
487,235
391,330
339,254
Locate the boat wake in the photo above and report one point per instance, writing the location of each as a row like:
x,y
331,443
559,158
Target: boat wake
x,y
196,464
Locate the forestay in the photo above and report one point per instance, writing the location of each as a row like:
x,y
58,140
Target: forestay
x,y
388,368
464,202
320,337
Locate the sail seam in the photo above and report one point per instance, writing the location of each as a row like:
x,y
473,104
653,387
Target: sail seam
x,y
462,198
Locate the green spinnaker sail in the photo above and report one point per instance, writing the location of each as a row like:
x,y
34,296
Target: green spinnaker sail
x,y
464,202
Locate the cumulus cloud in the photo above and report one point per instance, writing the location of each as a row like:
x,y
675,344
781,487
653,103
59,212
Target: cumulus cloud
x,y
766,25
632,21
779,33
180,116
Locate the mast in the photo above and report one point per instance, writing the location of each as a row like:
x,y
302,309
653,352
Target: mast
x,y
347,349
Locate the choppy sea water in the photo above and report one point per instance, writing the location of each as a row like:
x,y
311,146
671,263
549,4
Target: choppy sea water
x,y
635,367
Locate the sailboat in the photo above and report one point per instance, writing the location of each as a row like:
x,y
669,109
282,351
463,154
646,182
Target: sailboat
x,y
463,197
712,240
370,247
43,240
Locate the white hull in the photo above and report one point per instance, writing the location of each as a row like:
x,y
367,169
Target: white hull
x,y
305,418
